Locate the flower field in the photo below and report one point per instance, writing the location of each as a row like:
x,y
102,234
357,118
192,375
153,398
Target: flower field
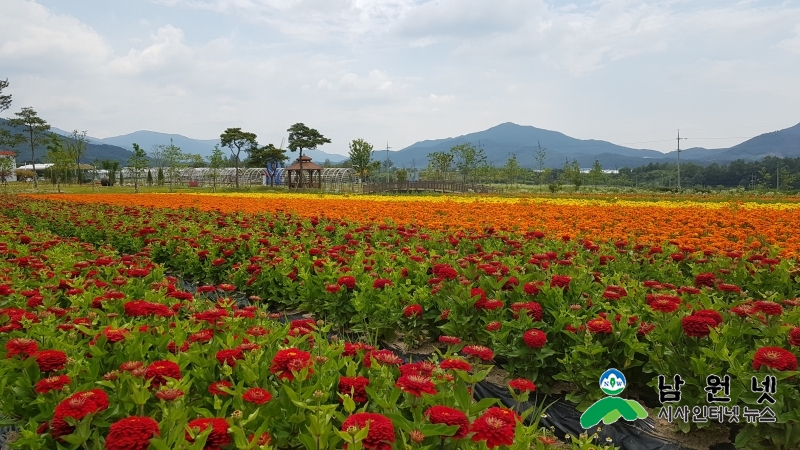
x,y
218,322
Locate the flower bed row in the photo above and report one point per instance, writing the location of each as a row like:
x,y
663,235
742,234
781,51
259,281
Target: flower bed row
x,y
546,309
103,351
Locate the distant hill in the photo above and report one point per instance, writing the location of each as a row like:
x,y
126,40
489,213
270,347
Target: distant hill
x,y
95,151
501,141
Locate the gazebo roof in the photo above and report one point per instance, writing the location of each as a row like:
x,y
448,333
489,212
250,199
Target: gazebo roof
x,y
307,164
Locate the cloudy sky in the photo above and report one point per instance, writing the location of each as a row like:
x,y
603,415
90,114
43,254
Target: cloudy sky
x,y
401,71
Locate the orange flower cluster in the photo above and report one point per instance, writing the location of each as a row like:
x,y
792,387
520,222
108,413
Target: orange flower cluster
x,y
708,228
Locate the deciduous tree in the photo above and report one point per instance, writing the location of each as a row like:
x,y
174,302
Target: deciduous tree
x,y
237,141
215,163
138,163
360,154
34,133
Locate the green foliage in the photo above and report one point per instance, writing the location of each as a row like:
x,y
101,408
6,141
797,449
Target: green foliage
x,y
468,159
237,141
5,99
138,163
215,163
512,170
302,138
361,153
34,133
439,164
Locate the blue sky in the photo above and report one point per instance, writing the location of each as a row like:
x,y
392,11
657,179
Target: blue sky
x,y
630,72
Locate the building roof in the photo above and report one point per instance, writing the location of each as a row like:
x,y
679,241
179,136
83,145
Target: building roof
x,y
43,166
307,164
7,153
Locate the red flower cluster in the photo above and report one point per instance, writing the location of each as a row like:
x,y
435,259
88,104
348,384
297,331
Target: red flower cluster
x,y
381,283
599,325
794,336
21,346
416,385
132,433
257,396
455,364
768,308
219,432
229,357
288,361
533,309
55,383
450,417
560,281
77,406
215,388
354,386
381,431
699,324
347,281
479,351
522,385
774,358
496,426
159,371
535,338
51,360
141,308
414,310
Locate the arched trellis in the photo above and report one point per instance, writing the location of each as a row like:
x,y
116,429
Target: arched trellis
x,y
335,179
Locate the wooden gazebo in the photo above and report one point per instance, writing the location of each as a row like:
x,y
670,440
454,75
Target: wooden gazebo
x,y
304,174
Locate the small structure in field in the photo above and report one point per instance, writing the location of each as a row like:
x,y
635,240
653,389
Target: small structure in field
x,y
304,174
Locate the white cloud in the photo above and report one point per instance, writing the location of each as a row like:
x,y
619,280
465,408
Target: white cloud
x,y
32,38
793,44
167,48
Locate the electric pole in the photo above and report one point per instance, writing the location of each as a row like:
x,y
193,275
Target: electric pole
x,y
387,161
679,159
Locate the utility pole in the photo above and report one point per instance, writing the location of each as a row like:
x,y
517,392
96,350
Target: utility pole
x,y
679,159
387,161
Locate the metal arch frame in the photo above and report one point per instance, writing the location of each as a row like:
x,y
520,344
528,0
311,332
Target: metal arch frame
x,y
334,179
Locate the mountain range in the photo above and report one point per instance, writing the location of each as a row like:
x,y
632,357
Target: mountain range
x,y
498,144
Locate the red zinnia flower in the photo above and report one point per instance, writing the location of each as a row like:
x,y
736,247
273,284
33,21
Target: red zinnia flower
x,y
561,281
794,336
158,371
449,340
51,360
347,281
522,385
381,430
355,387
710,313
599,325
697,326
332,288
484,353
665,305
774,358
705,279
169,394
768,308
416,385
450,417
219,432
493,326
215,387
532,288
455,364
288,361
495,427
414,310
55,383
381,283
21,346
132,433
535,338
229,357
383,357
533,309
257,396
77,406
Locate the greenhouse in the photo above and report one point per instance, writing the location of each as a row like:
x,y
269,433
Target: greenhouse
x,y
332,179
